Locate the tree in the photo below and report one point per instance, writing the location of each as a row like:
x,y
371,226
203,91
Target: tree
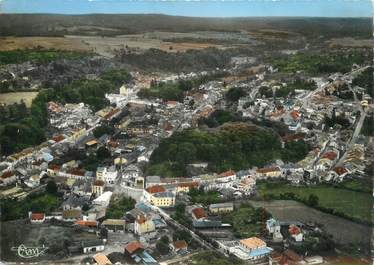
x,y
313,200
102,153
51,187
162,247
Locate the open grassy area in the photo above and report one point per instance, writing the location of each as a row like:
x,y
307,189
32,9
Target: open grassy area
x,y
353,204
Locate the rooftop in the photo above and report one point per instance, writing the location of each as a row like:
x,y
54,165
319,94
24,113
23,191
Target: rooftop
x,y
253,243
155,189
133,246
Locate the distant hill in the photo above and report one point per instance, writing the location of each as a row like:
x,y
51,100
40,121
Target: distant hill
x,y
111,25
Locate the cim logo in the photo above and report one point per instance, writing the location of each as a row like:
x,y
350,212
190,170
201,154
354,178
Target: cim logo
x,y
29,252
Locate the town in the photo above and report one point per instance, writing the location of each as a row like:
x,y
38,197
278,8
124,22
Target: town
x,y
245,162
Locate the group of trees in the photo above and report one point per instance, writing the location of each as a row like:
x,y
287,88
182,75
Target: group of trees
x,y
103,129
294,151
246,220
219,117
365,80
189,61
162,245
37,55
234,146
176,90
12,209
334,61
119,206
235,93
227,149
204,197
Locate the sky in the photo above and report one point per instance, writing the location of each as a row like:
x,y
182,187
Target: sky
x,y
196,8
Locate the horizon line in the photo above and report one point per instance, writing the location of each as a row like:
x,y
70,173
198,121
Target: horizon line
x,y
184,16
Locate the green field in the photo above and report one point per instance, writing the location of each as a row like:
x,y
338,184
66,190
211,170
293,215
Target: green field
x,y
353,204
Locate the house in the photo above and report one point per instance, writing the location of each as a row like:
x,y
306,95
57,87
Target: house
x,y
92,246
86,224
150,192
36,218
199,213
33,181
221,208
71,215
246,185
143,224
109,176
163,199
103,199
296,233
101,259
53,170
98,187
152,181
74,202
114,225
269,172
179,246
255,247
132,248
186,186
7,178
273,227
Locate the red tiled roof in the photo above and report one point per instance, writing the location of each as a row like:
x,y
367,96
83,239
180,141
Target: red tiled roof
x,y
293,137
290,255
155,189
54,167
99,183
37,216
340,170
294,230
228,173
267,169
199,213
7,174
77,171
141,219
113,144
133,246
86,223
330,155
188,184
180,244
111,113
295,114
58,138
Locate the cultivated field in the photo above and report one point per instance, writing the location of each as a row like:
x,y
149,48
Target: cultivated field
x,y
16,97
286,210
352,203
58,43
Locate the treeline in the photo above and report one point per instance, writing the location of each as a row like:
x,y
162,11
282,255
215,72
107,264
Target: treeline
x,y
365,80
339,61
13,209
235,146
189,61
16,135
37,56
176,90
